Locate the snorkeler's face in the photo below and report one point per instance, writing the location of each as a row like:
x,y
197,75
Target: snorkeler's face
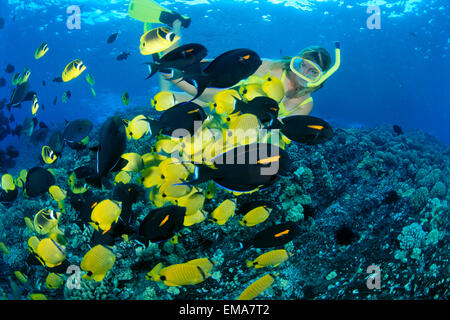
x,y
309,70
305,69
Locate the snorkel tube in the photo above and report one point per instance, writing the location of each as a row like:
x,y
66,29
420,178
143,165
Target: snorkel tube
x,y
333,69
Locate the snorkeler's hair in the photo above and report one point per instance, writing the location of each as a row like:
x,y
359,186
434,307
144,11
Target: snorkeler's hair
x,y
316,54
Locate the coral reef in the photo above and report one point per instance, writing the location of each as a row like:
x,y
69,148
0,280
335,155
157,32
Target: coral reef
x,y
388,192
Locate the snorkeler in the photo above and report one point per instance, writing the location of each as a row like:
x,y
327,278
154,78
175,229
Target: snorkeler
x,y
300,75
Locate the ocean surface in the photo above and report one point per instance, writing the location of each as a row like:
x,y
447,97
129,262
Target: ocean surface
x,y
394,71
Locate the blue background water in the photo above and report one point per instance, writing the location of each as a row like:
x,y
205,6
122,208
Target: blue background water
x,y
398,74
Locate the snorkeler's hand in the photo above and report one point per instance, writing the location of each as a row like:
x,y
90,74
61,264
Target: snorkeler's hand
x,y
166,73
177,26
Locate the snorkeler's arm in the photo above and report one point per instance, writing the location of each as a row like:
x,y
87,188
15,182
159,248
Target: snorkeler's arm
x,y
184,97
209,93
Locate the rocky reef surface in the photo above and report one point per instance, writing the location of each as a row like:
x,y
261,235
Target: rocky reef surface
x,y
368,198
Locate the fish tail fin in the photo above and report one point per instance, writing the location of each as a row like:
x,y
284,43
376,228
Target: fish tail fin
x,y
276,124
202,173
155,126
200,82
152,68
249,264
238,104
95,181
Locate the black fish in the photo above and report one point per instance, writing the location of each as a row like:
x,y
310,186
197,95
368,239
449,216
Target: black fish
x,y
128,194
180,116
3,103
245,168
2,23
112,143
39,180
43,125
265,108
6,197
39,135
19,94
43,83
179,59
12,152
56,142
3,119
17,130
413,34
57,79
85,207
226,70
3,134
2,82
9,68
397,129
77,130
54,101
275,236
78,200
112,37
28,126
161,224
305,129
123,56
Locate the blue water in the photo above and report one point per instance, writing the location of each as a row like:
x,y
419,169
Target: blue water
x,y
382,192
398,74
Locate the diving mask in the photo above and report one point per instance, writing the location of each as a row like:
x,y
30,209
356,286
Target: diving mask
x,y
311,72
